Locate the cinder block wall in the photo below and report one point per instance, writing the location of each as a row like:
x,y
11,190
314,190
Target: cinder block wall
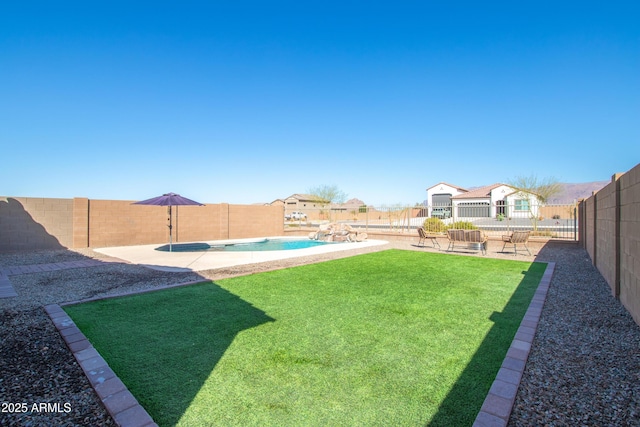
x,y
121,223
35,223
630,242
40,223
588,233
612,236
80,222
605,241
193,223
255,221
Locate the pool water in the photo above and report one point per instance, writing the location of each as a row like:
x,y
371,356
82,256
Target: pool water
x,y
262,245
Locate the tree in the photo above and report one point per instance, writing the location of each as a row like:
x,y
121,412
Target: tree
x,y
543,189
328,194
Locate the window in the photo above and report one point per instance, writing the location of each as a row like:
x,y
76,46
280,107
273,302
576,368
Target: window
x,y
522,205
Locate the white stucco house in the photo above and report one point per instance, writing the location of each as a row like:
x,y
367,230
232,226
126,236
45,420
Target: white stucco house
x,y
440,195
483,202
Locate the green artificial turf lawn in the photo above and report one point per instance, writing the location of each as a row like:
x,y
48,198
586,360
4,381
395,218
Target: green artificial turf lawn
x,y
389,338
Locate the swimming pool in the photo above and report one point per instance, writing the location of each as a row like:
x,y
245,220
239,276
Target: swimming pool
x,y
253,246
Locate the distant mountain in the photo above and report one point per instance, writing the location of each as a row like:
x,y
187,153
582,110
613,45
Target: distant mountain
x,y
574,192
354,202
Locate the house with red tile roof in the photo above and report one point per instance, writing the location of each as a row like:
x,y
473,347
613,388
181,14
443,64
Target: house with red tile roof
x,y
441,193
483,202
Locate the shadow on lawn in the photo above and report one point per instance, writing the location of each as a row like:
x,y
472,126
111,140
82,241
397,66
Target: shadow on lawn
x,y
474,383
183,341
226,316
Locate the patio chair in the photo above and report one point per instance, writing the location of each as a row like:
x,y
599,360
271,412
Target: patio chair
x,y
454,236
424,236
517,238
477,237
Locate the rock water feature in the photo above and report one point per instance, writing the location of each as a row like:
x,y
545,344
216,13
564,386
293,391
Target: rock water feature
x,y
335,232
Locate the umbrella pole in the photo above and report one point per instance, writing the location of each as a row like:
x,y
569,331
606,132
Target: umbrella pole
x,y
170,238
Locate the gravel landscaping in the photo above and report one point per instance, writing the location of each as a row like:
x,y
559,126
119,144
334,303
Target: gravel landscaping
x,y
584,366
583,369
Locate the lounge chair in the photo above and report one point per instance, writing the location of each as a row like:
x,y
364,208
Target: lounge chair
x,y
424,236
517,238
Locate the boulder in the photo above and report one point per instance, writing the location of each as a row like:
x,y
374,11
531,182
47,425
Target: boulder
x,y
338,232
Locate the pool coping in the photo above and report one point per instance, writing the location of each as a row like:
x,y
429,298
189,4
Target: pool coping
x,y
150,257
126,411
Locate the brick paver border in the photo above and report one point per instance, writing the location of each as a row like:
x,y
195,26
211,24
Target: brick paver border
x,y
117,399
113,393
497,406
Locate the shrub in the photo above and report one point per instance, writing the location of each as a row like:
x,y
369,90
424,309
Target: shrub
x,y
464,225
434,225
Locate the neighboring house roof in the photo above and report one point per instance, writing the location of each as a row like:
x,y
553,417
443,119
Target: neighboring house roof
x,y
485,192
478,193
450,185
301,196
304,197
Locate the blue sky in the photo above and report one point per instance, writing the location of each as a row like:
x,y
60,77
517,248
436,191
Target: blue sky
x,y
246,102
